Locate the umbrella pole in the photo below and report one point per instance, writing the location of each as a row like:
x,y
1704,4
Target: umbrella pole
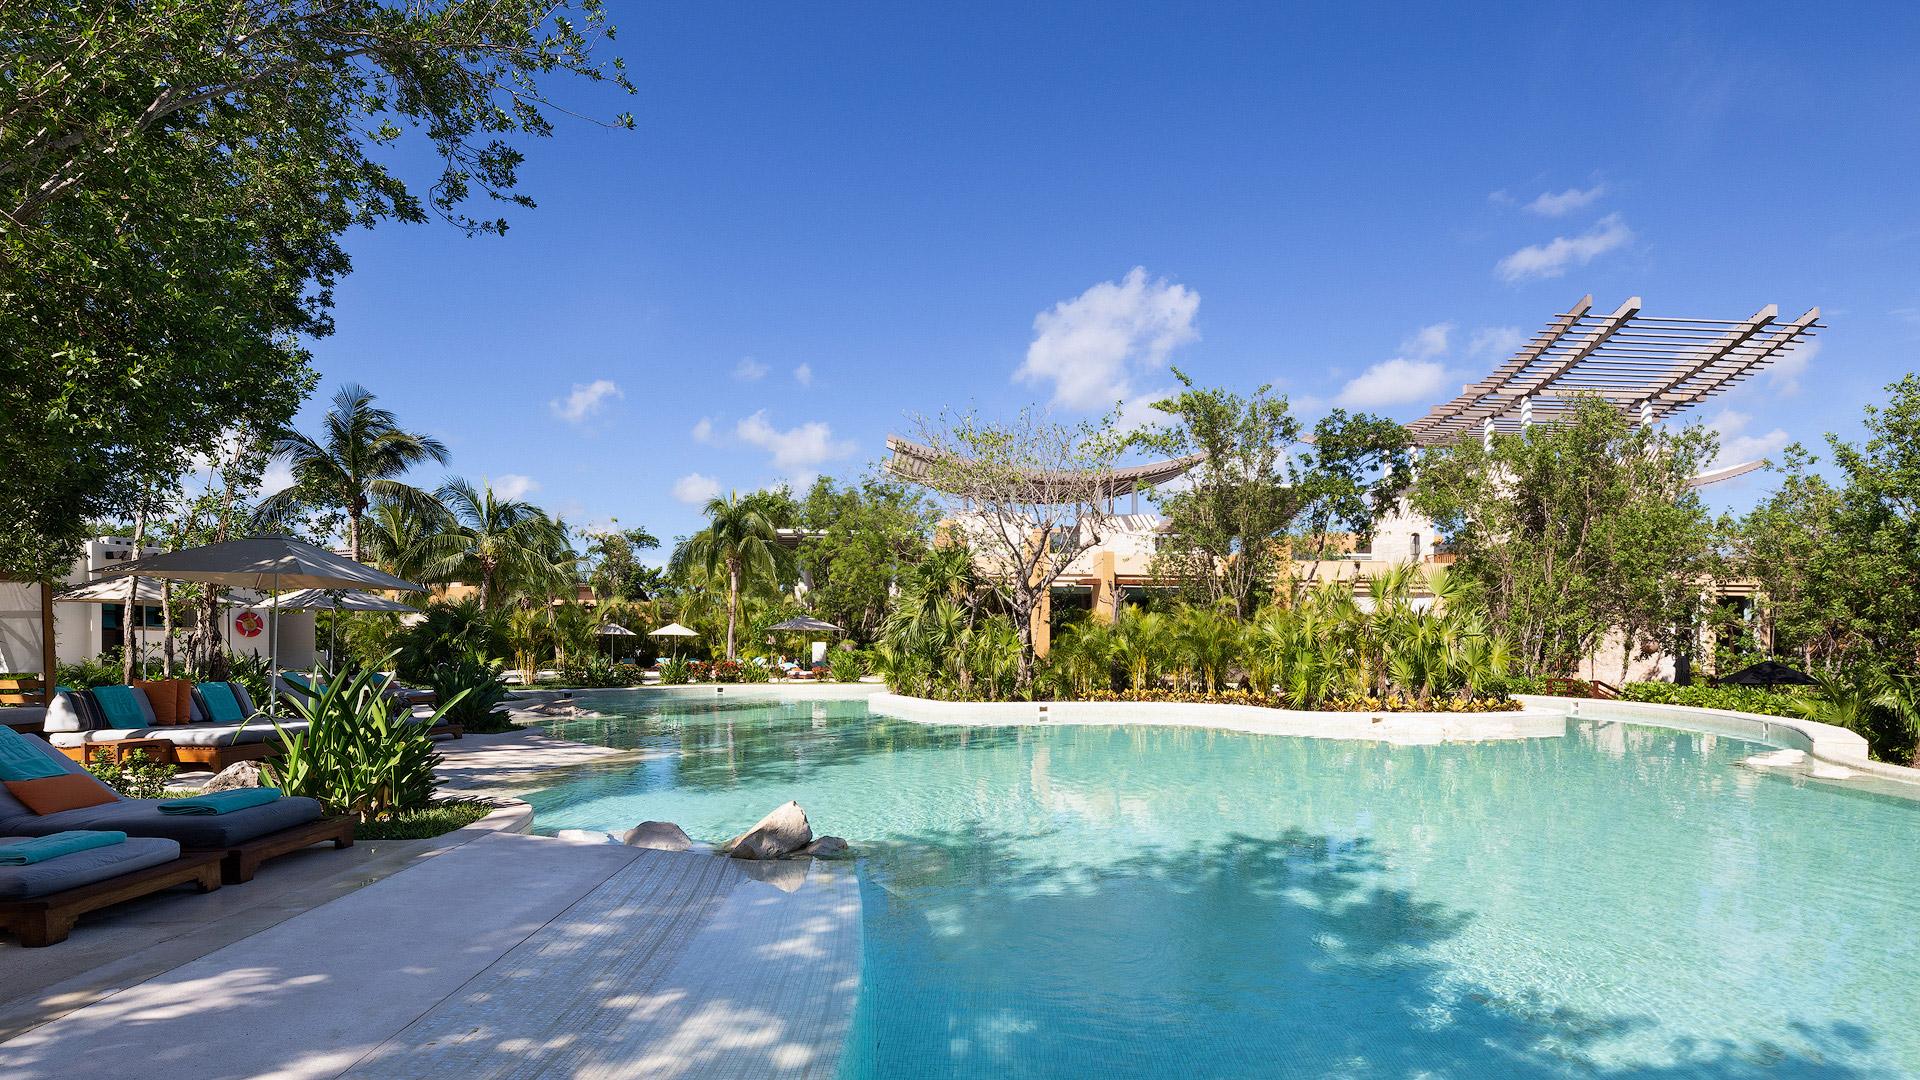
x,y
273,652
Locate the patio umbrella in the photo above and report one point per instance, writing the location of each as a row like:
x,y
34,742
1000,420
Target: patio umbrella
x,y
674,630
805,624
614,629
1769,673
265,564
338,600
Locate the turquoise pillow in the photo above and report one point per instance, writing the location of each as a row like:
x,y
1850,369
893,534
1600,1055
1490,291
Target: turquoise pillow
x,y
120,707
222,707
21,760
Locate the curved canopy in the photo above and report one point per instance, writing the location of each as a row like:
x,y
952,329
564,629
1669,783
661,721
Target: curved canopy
x,y
148,591
808,625
263,563
912,461
324,600
674,629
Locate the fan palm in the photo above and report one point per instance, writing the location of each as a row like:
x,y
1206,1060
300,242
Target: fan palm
x,y
505,546
353,463
738,537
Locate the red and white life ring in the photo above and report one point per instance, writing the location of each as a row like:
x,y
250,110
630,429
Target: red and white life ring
x,y
249,624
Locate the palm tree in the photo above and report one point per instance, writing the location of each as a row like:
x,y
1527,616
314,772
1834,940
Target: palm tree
x,y
740,538
398,539
505,546
352,464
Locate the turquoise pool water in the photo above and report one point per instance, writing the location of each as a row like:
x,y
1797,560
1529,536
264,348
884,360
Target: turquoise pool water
x,y
1144,902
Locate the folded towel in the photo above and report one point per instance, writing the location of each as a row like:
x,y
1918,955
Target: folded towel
x,y
54,845
221,802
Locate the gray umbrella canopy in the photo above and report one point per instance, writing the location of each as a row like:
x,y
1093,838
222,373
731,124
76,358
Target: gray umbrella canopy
x,y
148,591
349,600
264,563
807,625
616,630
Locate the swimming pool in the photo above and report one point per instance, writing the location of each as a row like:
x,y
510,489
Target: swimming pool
x,y
1106,901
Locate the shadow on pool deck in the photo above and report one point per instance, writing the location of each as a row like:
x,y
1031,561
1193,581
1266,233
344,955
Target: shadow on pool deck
x,y
1349,988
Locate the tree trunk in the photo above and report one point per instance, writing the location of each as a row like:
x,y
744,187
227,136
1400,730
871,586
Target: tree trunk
x,y
353,535
166,624
128,642
733,601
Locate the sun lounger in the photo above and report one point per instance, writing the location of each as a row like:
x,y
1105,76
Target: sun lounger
x,y
243,838
40,902
77,729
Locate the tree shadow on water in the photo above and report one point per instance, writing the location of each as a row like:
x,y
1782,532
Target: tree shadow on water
x,y
1287,956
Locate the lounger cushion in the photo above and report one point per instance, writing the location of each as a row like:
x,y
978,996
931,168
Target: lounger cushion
x,y
171,700
74,710
52,795
83,867
142,817
12,809
222,706
258,730
245,699
124,706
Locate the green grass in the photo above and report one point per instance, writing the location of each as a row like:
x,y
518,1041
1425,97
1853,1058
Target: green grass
x,y
428,821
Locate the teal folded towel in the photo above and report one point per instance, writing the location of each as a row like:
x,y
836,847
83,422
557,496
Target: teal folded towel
x,y
20,759
42,848
221,802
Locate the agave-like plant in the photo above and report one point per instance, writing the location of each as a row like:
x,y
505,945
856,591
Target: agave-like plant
x,y
360,753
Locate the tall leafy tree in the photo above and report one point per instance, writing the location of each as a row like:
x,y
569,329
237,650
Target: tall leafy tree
x,y
1356,470
1575,528
1225,535
862,539
739,540
174,182
357,459
617,571
506,547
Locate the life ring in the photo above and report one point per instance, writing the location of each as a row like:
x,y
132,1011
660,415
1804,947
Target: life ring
x,y
249,624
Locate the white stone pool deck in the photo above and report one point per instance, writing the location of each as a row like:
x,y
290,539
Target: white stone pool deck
x,y
488,954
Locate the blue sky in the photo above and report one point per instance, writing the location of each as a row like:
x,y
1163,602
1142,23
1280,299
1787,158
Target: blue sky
x,y
832,216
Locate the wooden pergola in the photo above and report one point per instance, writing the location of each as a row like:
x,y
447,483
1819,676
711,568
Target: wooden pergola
x,y
912,461
1648,367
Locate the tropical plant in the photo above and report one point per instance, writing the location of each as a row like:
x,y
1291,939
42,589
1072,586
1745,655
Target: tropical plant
x,y
1207,641
136,776
360,753
740,539
676,671
357,460
843,665
448,631
473,684
1141,645
506,547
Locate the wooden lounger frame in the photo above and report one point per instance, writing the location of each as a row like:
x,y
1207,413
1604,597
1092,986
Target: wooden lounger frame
x,y
47,920
238,863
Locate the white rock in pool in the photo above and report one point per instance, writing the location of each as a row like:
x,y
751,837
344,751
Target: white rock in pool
x,y
1823,771
586,836
1776,759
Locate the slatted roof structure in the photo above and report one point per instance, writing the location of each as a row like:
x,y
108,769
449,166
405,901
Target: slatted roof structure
x,y
912,461
1649,367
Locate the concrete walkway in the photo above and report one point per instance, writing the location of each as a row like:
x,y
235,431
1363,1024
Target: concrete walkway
x,y
508,956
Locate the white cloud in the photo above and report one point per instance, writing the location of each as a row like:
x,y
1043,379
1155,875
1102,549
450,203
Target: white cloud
x,y
1551,259
749,370
694,488
513,486
1784,374
1737,446
803,374
1556,203
586,400
1394,382
797,451
277,478
1428,341
1496,341
703,430
1091,348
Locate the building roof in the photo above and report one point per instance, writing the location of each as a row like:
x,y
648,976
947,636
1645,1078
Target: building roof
x,y
1649,367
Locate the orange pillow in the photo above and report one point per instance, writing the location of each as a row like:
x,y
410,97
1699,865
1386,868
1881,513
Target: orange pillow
x,y
52,794
172,700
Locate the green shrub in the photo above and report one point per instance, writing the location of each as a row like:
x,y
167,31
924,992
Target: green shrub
x,y
474,687
447,632
750,672
677,671
360,753
253,672
1730,698
843,665
135,776
87,674
424,822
